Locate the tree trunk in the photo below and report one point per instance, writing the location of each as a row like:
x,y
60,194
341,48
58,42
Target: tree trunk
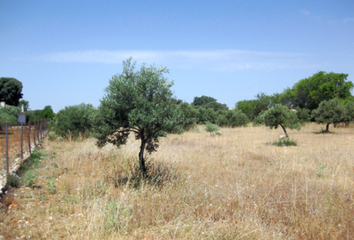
x,y
141,157
286,134
327,127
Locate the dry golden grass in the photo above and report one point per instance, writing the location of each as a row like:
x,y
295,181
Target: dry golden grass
x,y
234,186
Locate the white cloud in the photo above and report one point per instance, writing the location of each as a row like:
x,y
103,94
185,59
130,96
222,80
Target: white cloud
x,y
220,60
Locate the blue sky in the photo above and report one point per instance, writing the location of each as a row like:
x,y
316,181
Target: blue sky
x,y
65,52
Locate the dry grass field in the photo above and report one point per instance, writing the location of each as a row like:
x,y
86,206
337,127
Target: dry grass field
x,y
234,186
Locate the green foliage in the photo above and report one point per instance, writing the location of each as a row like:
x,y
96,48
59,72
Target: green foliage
x,y
206,115
248,108
332,111
252,108
51,185
237,118
45,113
222,120
113,213
203,100
285,142
189,115
74,121
140,102
310,92
10,90
13,180
280,115
209,102
42,197
33,161
216,106
212,128
321,168
25,105
232,118
9,114
259,120
29,178
303,114
349,114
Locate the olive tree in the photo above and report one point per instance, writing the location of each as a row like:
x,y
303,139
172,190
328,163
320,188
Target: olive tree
x,y
332,111
349,115
139,102
280,115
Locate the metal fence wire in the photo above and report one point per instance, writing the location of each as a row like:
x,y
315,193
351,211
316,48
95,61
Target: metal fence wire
x,y
17,141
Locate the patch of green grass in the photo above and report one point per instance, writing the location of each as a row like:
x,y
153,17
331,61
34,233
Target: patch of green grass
x,y
112,214
321,168
42,197
29,178
284,142
51,185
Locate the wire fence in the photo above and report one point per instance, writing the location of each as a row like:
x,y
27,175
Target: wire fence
x,y
17,142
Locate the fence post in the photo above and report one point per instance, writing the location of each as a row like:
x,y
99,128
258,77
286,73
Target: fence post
x,y
7,150
34,133
29,136
21,140
40,126
38,131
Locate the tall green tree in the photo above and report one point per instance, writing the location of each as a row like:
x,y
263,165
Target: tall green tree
x,y
332,111
310,92
349,114
208,102
248,107
139,102
189,115
10,90
200,101
252,108
280,115
47,112
303,114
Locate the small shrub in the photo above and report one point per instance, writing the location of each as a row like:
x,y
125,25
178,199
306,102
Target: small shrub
x,y
112,215
35,157
9,114
42,197
13,180
29,178
51,185
321,168
74,121
285,142
212,129
51,136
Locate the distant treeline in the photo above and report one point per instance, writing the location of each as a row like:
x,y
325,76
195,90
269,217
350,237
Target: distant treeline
x,y
305,97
